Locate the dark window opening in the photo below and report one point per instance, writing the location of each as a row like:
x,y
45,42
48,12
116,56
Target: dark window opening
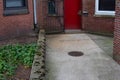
x,y
107,5
51,7
14,7
15,3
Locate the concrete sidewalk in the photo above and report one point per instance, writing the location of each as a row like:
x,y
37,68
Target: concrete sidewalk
x,y
95,64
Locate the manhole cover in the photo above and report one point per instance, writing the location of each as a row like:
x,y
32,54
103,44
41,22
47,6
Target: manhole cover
x,y
76,53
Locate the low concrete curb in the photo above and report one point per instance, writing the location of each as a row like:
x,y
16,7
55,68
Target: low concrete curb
x,y
38,67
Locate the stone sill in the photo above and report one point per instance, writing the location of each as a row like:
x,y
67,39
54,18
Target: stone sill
x,y
105,16
10,12
54,15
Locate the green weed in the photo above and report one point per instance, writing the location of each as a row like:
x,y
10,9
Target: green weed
x,y
13,55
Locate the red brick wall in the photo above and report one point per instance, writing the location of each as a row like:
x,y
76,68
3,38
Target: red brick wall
x,y
117,33
95,24
48,22
17,25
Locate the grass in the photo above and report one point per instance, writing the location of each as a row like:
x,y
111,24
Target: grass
x,y
11,56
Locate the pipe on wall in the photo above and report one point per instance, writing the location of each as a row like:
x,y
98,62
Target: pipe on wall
x,y
35,12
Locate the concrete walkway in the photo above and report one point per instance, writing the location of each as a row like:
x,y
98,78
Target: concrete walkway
x,y
95,64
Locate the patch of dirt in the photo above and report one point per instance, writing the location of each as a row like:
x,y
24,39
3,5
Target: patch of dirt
x,y
22,73
21,40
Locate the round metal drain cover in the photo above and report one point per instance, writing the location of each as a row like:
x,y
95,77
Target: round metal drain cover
x,y
76,53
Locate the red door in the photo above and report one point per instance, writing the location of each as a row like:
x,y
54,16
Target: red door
x,y
71,17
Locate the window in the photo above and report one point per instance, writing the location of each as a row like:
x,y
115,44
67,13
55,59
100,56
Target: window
x,y
51,7
105,7
13,7
15,3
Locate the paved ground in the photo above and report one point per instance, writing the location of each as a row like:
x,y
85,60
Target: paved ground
x,y
105,43
95,64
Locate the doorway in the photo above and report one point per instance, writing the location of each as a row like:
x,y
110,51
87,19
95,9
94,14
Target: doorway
x,y
72,19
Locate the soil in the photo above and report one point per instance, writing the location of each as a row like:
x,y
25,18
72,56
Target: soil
x,y
21,40
21,72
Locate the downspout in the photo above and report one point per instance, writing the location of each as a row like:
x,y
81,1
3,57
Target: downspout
x,y
35,13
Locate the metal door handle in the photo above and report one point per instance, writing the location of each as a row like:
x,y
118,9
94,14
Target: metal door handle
x,y
85,13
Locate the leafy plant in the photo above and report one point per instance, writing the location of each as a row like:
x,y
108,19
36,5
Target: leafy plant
x,y
13,55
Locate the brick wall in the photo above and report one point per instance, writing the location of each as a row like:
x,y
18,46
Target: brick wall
x,y
51,23
89,23
117,33
17,25
95,24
